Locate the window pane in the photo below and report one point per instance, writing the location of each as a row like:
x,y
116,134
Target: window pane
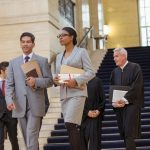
x,y
147,3
147,20
148,32
148,41
85,15
147,11
143,37
143,21
100,18
141,3
142,11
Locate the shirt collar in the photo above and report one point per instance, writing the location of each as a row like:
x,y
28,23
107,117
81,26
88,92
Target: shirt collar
x,y
30,55
124,65
1,79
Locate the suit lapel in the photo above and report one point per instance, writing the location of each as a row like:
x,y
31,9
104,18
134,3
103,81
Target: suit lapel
x,y
20,60
34,57
73,55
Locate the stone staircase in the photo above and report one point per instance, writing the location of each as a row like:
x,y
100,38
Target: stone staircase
x,y
97,57
110,136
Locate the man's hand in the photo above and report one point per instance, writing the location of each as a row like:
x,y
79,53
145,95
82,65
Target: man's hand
x,y
118,104
30,81
11,106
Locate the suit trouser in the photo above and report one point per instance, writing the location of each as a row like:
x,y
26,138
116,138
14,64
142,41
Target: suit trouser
x,y
11,125
30,126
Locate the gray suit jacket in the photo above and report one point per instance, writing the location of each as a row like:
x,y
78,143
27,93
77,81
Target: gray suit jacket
x,y
15,83
79,58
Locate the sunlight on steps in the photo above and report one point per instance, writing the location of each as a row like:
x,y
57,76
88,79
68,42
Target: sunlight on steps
x,y
97,57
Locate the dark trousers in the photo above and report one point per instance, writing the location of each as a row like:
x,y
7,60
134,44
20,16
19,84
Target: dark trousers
x,y
130,143
74,136
11,125
91,134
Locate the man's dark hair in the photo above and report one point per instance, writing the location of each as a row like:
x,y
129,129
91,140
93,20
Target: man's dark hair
x,y
4,65
29,35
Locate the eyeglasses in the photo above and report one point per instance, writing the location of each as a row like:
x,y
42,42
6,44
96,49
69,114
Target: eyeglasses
x,y
62,35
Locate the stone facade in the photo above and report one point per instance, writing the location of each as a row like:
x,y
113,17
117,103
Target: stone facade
x,y
43,19
39,17
122,18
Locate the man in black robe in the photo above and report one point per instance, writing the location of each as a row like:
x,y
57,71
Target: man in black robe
x,y
92,116
128,108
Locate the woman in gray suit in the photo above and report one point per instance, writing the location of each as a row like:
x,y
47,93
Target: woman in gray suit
x,y
72,98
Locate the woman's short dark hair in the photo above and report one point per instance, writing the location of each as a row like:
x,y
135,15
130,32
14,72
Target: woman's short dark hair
x,y
72,32
4,65
29,35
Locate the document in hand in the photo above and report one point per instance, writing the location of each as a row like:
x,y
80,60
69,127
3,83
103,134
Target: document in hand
x,y
68,72
117,92
31,69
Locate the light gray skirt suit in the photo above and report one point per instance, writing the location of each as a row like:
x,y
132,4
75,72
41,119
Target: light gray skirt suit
x,y
73,99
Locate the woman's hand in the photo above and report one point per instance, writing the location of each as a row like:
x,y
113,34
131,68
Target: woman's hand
x,y
70,83
93,113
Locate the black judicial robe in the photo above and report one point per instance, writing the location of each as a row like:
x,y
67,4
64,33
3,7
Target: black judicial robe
x,y
128,118
91,127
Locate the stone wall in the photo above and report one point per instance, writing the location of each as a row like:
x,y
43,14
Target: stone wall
x,y
42,18
122,18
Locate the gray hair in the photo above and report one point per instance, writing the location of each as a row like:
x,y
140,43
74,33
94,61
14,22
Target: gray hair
x,y
121,51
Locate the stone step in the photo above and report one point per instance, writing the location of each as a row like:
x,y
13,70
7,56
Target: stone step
x,y
7,145
56,109
42,141
47,127
44,134
55,104
49,121
52,115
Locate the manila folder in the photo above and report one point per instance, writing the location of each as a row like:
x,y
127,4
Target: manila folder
x,y
70,70
31,68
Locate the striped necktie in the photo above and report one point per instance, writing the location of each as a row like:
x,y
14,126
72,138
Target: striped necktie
x,y
3,87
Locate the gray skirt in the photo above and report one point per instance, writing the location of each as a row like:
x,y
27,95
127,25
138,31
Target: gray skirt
x,y
72,109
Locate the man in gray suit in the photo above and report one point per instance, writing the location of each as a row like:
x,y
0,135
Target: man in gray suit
x,y
25,96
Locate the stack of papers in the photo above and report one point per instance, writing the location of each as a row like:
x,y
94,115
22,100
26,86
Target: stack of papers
x,y
64,77
117,92
68,72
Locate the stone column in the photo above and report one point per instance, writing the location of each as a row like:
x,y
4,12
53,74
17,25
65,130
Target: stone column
x,y
93,9
79,24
